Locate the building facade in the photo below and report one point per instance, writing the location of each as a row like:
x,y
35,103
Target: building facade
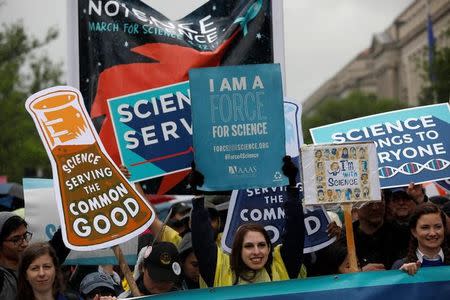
x,y
389,67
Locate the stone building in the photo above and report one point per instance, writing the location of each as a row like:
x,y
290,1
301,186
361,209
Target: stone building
x,y
389,67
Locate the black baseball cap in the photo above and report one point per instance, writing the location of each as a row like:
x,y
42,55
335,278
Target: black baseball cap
x,y
161,262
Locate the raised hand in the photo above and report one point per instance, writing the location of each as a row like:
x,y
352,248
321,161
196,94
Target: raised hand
x,y
290,170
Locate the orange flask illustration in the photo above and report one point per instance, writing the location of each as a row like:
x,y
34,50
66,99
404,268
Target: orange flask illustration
x,y
98,207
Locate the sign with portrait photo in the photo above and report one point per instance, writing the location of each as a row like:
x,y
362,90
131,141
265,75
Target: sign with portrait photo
x,y
340,173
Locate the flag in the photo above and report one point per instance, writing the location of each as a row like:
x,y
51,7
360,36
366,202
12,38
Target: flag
x,y
431,45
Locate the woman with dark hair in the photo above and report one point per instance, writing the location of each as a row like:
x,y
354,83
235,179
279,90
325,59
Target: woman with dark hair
x,y
40,276
252,259
428,245
251,251
14,239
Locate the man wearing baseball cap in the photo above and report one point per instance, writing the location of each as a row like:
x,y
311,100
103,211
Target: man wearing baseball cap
x,y
97,283
161,270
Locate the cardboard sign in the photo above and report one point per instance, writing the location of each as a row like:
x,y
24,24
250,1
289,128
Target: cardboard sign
x,y
40,196
153,130
98,207
120,48
238,126
412,144
340,173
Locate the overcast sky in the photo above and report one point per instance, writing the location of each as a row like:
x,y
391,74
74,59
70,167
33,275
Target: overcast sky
x,y
321,36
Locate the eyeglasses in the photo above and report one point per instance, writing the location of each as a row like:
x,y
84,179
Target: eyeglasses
x,y
18,240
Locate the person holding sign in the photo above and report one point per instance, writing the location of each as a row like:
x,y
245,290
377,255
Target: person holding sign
x,y
428,246
252,259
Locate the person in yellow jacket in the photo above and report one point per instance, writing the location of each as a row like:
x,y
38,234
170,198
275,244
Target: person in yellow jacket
x,y
252,259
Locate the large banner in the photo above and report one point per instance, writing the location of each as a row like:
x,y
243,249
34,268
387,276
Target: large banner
x,y
238,126
412,144
427,284
340,173
122,48
153,130
39,197
97,205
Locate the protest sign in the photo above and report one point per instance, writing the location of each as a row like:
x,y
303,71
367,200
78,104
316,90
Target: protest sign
x,y
411,143
238,126
427,284
39,197
153,130
98,207
265,205
122,48
340,173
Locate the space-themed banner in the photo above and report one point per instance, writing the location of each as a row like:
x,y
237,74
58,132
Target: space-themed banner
x,y
125,47
412,144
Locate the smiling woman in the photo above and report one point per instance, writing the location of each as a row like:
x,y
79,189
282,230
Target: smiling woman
x,y
39,274
428,246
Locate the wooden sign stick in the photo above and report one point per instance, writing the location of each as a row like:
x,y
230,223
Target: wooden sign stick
x,y
351,250
126,271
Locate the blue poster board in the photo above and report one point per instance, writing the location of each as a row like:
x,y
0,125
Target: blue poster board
x,y
153,130
238,126
427,284
266,207
412,144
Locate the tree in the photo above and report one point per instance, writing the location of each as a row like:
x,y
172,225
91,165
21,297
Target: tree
x,y
356,105
22,72
437,89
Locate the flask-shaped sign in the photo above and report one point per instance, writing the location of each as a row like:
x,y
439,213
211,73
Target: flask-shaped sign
x,y
98,207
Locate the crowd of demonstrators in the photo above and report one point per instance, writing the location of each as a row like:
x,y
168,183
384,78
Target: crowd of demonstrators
x,y
406,230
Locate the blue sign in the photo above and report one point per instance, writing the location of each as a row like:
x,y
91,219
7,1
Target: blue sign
x,y
412,144
238,126
265,206
153,130
427,284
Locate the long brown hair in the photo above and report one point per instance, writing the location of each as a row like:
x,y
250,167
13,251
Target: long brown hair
x,y
237,264
31,253
425,209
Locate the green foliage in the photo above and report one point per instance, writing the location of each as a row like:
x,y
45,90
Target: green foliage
x,y
438,90
22,73
356,105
